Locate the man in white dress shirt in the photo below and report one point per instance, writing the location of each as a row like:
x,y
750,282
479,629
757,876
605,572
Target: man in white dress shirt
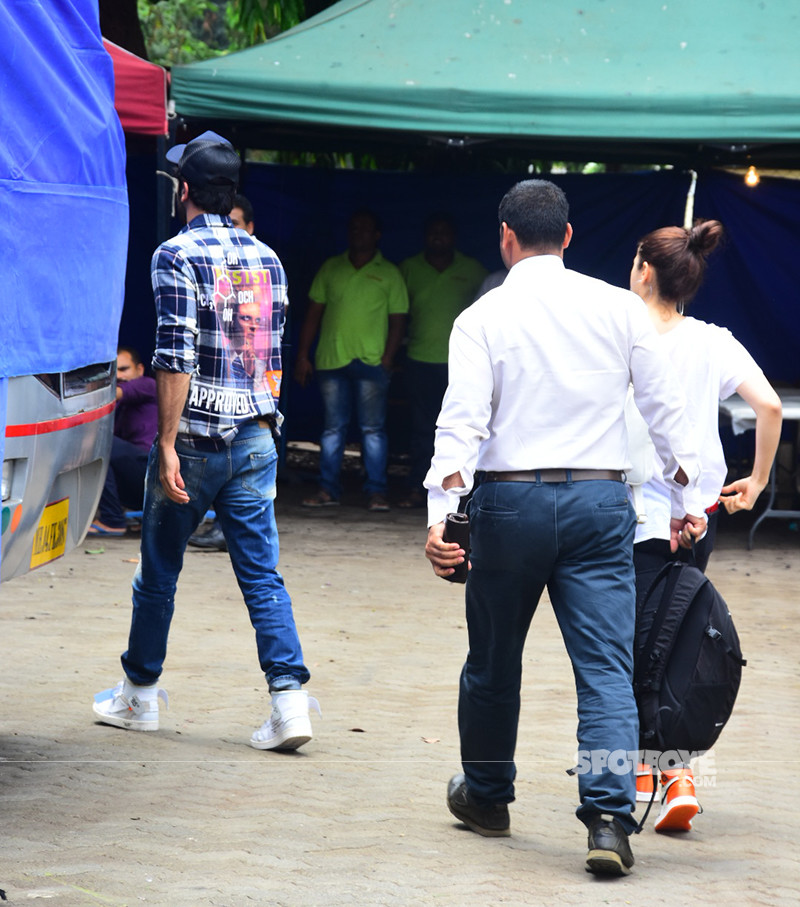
x,y
539,370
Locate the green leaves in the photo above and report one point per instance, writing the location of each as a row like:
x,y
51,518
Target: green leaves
x,y
262,19
183,31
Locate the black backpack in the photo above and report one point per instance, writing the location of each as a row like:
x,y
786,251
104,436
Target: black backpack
x,y
687,662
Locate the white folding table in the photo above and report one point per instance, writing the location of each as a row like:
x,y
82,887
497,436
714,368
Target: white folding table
x,y
742,419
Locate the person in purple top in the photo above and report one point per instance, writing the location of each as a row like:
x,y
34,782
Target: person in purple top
x,y
135,426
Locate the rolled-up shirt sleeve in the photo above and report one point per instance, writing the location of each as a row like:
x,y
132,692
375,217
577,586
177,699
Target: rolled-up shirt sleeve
x,y
463,421
175,290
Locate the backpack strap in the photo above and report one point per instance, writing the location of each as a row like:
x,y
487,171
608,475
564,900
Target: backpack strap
x,y
681,584
663,572
640,826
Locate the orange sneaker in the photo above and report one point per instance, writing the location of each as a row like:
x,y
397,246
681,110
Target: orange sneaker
x,y
678,801
645,780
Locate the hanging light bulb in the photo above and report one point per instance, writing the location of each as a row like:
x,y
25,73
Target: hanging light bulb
x,y
752,177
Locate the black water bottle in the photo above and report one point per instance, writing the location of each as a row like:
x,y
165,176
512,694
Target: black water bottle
x,y
456,529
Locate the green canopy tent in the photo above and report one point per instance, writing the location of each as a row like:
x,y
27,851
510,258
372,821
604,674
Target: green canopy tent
x,y
696,83
639,80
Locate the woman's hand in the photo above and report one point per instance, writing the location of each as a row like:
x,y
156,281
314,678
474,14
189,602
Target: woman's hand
x,y
741,494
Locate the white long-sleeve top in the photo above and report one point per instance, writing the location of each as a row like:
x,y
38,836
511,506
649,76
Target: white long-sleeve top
x,y
709,363
539,370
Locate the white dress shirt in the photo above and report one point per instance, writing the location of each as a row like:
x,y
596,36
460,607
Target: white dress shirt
x,y
539,370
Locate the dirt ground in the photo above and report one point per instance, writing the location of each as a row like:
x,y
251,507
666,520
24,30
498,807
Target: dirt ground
x,y
191,815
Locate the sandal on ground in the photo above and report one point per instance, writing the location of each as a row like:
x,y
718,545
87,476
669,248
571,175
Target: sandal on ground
x,y
320,499
377,504
98,528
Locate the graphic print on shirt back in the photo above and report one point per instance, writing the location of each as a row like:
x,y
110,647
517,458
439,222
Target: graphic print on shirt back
x,y
242,302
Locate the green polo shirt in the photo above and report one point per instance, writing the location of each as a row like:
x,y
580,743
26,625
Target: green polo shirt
x,y
358,303
436,300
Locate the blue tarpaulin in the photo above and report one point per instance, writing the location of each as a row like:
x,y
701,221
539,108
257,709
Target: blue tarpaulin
x,y
63,196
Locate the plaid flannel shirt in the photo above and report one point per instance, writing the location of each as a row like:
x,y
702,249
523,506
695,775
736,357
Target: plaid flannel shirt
x,y
221,304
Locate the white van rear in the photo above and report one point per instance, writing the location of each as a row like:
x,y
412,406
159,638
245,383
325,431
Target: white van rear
x,y
58,440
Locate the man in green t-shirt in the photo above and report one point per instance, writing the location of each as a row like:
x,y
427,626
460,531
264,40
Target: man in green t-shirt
x,y
358,303
441,284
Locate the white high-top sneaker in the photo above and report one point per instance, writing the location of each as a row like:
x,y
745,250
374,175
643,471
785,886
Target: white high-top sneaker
x,y
129,706
288,726
678,800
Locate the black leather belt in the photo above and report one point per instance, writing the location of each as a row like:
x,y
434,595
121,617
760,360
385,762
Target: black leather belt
x,y
202,444
554,475
217,444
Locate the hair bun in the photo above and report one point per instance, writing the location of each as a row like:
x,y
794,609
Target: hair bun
x,y
704,236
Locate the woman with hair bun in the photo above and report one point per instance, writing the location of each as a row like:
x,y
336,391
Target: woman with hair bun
x,y
711,364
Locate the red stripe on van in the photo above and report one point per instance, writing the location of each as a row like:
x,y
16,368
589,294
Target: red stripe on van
x,y
43,428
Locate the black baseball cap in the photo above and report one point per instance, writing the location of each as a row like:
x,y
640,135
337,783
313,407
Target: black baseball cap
x,y
207,159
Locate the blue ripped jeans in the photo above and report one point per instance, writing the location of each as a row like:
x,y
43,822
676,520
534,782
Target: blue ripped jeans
x,y
238,482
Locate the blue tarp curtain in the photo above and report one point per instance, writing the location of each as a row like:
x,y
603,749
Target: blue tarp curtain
x,y
752,286
750,283
302,213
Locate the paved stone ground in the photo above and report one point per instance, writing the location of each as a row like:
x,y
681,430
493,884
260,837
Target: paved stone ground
x,y
191,815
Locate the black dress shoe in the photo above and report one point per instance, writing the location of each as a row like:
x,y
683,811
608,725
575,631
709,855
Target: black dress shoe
x,y
489,821
609,850
212,539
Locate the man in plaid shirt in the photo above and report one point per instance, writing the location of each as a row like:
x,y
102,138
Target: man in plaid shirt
x,y
221,303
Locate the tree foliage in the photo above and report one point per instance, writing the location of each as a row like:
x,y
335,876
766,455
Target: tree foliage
x,y
262,19
183,31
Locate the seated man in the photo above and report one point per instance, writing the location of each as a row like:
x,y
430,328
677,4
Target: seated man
x,y
135,426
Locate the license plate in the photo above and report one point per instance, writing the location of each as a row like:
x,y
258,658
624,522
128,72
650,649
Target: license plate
x,y
50,540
